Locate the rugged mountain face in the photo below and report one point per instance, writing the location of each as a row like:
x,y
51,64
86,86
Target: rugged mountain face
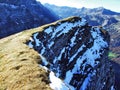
x,y
114,30
95,17
19,15
98,16
115,49
76,53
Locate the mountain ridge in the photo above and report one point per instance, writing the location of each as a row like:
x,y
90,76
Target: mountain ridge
x,y
18,52
109,20
97,8
95,17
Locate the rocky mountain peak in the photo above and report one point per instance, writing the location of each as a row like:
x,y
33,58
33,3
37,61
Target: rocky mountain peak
x,y
76,53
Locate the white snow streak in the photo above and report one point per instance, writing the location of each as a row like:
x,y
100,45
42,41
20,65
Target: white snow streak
x,y
112,88
30,45
56,83
51,43
85,83
36,40
80,49
45,62
48,30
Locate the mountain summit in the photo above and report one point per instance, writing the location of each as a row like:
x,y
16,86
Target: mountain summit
x,y
64,55
19,15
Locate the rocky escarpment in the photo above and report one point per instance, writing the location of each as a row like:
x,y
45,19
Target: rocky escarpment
x,y
19,15
98,16
76,53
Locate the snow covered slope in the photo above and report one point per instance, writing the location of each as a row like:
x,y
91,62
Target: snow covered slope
x,y
76,53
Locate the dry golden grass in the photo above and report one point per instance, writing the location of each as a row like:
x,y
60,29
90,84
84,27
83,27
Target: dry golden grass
x,y
19,68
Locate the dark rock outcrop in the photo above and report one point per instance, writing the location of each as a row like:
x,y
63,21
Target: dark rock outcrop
x,y
19,15
77,53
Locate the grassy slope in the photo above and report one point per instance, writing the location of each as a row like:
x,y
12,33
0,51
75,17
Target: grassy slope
x,y
19,68
112,55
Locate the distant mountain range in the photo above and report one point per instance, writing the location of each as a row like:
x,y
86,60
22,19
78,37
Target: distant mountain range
x,y
19,15
95,16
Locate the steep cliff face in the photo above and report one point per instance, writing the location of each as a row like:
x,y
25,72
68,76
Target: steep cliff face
x,y
19,15
76,53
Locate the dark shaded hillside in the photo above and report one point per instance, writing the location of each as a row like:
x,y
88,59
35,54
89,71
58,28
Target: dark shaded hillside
x,y
114,31
19,15
95,17
117,74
